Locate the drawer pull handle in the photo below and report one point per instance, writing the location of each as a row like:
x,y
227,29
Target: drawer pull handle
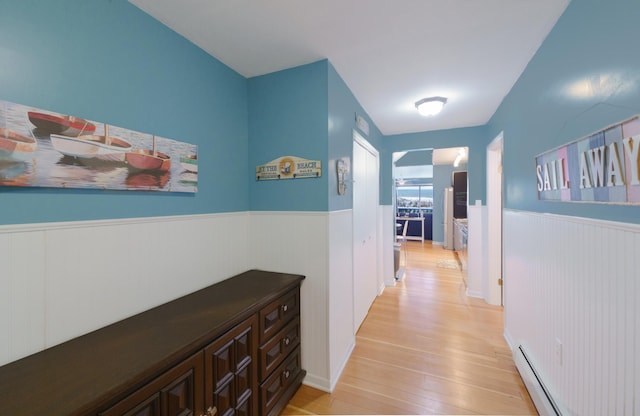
x,y
285,308
286,341
287,373
211,411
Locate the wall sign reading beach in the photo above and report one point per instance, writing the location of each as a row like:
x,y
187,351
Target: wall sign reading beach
x,y
46,149
289,167
602,167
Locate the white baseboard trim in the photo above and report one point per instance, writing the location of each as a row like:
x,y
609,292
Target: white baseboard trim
x,y
321,383
540,394
473,294
345,360
316,382
510,342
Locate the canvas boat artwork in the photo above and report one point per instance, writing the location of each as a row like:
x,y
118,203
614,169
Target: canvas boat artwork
x,y
92,147
189,163
15,146
148,159
59,124
40,148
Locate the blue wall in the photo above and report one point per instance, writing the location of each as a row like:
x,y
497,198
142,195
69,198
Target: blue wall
x,y
288,117
475,138
343,108
594,45
108,61
306,111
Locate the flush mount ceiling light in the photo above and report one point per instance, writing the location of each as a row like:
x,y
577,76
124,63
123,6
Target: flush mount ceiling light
x,y
430,106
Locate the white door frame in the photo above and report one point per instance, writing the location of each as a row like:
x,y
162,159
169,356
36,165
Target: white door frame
x,y
493,285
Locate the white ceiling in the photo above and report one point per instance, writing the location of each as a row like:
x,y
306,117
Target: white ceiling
x,y
390,53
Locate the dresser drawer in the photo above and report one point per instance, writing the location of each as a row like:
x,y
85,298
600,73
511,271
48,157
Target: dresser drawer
x,y
279,381
274,351
278,313
178,391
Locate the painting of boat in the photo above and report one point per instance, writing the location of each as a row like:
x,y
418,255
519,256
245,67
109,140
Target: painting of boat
x,y
92,147
46,148
143,159
60,124
189,163
148,180
15,147
148,160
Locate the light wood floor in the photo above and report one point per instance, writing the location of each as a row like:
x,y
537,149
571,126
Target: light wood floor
x,y
425,348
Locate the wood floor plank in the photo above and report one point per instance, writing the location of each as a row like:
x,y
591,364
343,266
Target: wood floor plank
x,y
425,348
463,371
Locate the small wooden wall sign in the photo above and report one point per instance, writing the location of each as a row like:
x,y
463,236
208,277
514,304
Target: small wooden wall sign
x,y
289,167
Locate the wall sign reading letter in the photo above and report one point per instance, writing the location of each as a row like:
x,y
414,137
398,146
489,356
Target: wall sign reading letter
x,y
602,167
289,167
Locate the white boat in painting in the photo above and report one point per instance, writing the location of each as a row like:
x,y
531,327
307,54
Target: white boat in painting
x,y
92,147
15,147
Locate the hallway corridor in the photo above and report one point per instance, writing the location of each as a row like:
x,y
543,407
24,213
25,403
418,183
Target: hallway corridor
x,y
425,348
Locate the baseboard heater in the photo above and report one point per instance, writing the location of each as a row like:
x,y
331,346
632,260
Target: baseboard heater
x,y
539,393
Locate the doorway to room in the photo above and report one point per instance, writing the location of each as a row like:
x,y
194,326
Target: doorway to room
x,y
413,194
420,179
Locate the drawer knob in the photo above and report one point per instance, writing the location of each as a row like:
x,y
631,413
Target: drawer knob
x,y
285,308
211,411
286,341
287,373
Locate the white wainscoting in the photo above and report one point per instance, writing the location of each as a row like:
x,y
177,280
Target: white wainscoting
x,y
297,242
572,300
341,338
386,239
62,280
477,251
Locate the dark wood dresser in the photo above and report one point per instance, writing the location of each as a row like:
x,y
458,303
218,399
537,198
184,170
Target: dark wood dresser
x,y
232,348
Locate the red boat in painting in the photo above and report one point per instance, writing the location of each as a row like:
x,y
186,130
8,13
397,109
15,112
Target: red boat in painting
x,y
148,160
142,159
59,124
14,147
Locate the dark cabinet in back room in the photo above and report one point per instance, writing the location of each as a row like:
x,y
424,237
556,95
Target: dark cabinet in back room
x,y
460,194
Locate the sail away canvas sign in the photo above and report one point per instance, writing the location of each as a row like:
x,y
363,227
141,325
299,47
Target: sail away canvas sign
x,y
602,167
41,148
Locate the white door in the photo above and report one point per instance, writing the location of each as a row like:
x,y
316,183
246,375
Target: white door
x,y
365,210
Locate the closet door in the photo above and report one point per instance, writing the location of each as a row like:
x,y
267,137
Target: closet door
x,y
365,208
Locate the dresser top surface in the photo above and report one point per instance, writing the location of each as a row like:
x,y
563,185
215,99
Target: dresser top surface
x,y
78,375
